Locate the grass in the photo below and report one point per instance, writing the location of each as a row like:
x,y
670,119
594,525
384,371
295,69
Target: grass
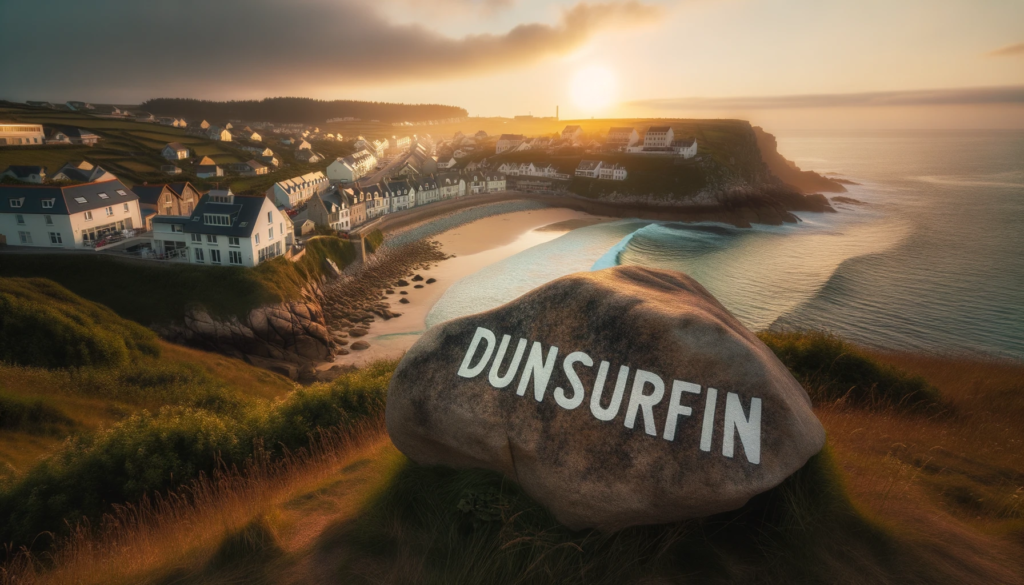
x,y
898,496
154,293
832,370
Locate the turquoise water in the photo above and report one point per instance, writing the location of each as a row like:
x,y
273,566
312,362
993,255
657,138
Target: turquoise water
x,y
934,260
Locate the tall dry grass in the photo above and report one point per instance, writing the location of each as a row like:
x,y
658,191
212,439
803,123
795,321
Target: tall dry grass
x,y
178,529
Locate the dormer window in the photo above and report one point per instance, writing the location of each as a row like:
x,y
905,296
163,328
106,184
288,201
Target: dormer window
x,y
48,203
17,203
216,219
122,193
104,196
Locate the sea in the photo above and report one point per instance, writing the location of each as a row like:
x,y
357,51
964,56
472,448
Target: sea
x,y
929,257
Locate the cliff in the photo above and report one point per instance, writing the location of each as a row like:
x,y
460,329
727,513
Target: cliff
x,y
787,171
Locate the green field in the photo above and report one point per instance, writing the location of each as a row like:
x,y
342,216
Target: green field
x,y
131,150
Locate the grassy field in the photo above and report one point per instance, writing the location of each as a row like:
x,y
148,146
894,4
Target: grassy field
x,y
900,495
131,150
153,293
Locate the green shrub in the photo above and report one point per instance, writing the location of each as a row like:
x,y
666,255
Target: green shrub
x,y
33,415
831,369
43,324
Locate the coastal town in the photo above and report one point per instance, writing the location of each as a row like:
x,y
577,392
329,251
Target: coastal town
x,y
208,213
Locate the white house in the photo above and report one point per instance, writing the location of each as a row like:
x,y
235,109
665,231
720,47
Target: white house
x,y
495,182
225,229
308,155
508,142
621,138
589,168
303,145
206,168
658,137
686,148
350,168
70,217
291,192
403,195
428,191
175,151
377,198
613,172
224,135
399,144
446,164
17,133
572,133
451,185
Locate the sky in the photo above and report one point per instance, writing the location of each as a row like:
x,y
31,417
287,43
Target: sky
x,y
778,63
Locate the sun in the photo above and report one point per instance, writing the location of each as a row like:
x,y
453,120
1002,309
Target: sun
x,y
593,88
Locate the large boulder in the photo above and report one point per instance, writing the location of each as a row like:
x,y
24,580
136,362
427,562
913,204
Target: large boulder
x,y
615,398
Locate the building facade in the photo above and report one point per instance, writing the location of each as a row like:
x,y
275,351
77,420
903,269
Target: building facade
x,y
77,216
17,133
294,191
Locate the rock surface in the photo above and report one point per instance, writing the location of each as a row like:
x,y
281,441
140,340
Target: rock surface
x,y
704,418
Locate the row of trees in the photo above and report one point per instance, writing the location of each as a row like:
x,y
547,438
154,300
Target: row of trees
x,y
299,110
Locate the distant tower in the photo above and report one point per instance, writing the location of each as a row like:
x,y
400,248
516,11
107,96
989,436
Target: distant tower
x,y
556,113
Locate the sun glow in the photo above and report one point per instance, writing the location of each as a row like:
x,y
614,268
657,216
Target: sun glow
x,y
593,88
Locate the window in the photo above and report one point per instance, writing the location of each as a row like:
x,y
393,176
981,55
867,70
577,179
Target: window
x,y
270,217
48,203
257,236
216,219
215,256
233,241
197,238
80,200
48,219
25,237
104,196
20,219
16,203
211,239
55,238
177,228
110,211
270,233
122,193
88,216
199,254
234,257
126,208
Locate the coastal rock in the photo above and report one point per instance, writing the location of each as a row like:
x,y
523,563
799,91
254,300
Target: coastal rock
x,y
431,280
357,332
417,278
620,397
360,345
404,292
402,282
404,301
418,286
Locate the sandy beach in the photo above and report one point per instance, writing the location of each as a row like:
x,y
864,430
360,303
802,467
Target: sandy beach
x,y
474,246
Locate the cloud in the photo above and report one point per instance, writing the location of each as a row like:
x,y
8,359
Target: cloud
x,y
967,96
106,48
1007,51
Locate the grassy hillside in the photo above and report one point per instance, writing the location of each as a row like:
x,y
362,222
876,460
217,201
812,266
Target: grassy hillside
x,y
80,434
131,150
898,496
153,293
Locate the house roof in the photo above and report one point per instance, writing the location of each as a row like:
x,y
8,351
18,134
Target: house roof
x,y
66,200
621,130
73,131
571,128
684,142
588,165
206,161
512,137
659,128
177,146
23,171
84,173
149,194
244,212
